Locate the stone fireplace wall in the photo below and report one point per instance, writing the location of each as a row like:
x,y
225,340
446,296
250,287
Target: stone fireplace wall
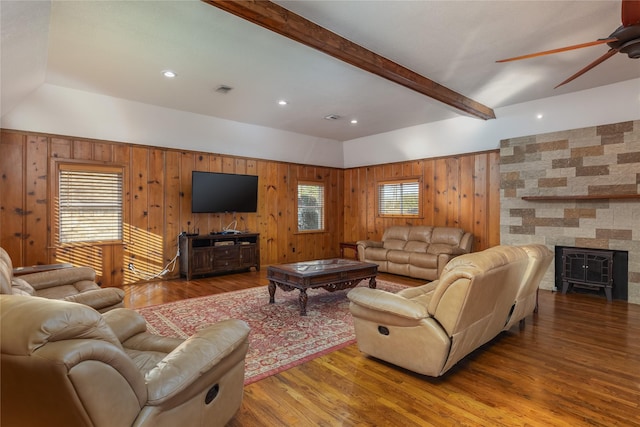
x,y
561,173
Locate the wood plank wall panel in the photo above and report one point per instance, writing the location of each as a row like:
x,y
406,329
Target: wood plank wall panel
x,y
36,213
12,195
458,191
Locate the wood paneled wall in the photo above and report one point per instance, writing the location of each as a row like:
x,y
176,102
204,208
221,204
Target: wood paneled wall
x,y
157,205
459,191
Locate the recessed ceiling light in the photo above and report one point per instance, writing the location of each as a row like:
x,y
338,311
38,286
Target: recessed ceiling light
x,y
282,102
169,74
354,121
539,116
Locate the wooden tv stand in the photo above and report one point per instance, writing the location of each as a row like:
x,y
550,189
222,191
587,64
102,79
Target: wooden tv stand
x,y
218,253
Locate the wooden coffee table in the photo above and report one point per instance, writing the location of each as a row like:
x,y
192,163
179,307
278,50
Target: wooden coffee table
x,y
329,274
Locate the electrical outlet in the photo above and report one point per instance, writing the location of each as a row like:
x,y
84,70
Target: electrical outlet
x,y
131,266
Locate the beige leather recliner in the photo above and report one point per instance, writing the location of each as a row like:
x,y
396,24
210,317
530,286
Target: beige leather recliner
x,y
418,251
429,328
76,284
526,302
65,364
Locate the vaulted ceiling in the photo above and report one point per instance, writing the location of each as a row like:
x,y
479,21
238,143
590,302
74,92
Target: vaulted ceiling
x,y
120,48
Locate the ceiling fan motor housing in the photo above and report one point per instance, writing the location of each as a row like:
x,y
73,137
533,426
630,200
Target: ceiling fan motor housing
x,y
628,40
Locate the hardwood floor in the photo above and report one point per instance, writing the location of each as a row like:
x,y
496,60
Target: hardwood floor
x,y
576,363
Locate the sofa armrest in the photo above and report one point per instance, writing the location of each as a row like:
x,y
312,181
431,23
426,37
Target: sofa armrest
x,y
99,298
195,358
362,245
386,302
125,323
65,276
466,243
369,244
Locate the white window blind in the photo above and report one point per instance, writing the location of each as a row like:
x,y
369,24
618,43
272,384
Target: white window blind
x,y
399,198
310,206
90,205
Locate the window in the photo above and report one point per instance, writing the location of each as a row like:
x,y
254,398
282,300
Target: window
x,y
399,198
310,206
89,203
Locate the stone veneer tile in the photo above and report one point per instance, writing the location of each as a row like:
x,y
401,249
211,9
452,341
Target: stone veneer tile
x,y
547,146
592,170
592,243
613,234
633,157
616,138
510,192
566,163
614,128
606,190
514,229
638,178
552,182
551,222
579,213
593,150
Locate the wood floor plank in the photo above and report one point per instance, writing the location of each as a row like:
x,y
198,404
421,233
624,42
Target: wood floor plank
x,y
576,363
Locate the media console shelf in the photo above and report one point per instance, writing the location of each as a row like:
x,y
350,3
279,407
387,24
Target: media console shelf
x,y
218,253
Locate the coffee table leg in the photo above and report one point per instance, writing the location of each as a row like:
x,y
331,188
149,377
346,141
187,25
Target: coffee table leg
x,y
272,292
303,302
372,282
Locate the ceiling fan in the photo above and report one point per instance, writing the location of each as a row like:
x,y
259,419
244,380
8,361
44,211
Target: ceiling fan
x,y
625,39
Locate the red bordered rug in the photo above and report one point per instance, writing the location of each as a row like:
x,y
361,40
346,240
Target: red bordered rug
x,y
280,338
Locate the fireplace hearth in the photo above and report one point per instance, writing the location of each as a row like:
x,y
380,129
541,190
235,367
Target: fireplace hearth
x,y
592,270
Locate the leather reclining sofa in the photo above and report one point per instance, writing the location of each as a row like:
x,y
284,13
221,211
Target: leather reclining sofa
x,y
416,251
75,284
64,364
429,328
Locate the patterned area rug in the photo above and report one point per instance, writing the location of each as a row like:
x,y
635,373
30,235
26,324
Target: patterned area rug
x,y
280,338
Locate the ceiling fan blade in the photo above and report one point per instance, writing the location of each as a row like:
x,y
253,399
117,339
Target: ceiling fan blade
x,y
598,61
562,49
630,12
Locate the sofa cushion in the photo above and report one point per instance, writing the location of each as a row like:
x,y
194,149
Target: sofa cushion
x,y
421,233
416,246
397,232
398,257
423,260
447,235
395,244
377,254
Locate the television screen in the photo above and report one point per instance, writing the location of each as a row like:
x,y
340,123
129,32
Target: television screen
x,y
223,192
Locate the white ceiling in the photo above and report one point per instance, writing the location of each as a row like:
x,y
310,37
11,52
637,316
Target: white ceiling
x,y
119,48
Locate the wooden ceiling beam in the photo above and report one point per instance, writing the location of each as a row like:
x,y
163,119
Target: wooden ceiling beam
x,y
284,22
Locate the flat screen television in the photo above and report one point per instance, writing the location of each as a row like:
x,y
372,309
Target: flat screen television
x,y
223,192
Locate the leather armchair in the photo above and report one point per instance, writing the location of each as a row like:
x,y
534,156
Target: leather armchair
x,y
65,364
428,329
76,284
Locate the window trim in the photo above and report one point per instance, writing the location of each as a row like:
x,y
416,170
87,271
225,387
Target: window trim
x,y
59,165
409,180
322,184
